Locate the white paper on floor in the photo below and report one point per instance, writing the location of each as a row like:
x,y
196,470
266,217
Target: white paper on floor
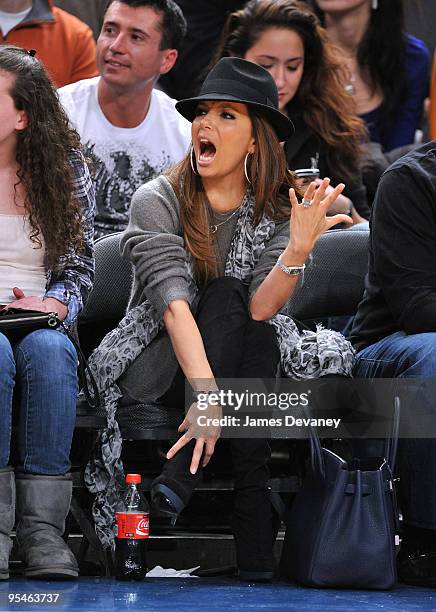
x,y
169,572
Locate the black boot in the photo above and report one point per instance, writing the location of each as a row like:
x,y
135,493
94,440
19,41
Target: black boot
x,y
252,513
172,490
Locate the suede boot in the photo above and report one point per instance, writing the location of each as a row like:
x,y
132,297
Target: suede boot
x,y
43,503
173,488
7,518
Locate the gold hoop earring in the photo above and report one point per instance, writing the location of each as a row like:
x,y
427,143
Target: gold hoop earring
x,y
193,165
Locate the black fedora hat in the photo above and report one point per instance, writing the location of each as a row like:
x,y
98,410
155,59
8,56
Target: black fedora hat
x,y
236,80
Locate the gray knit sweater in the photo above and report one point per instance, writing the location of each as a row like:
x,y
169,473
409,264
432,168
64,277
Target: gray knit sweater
x,y
153,242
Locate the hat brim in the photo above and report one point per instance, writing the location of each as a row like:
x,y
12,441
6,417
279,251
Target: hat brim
x,y
283,126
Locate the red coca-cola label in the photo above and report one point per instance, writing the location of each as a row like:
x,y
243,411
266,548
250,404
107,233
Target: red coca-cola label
x,y
132,525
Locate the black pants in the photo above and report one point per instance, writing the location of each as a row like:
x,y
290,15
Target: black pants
x,y
238,347
235,345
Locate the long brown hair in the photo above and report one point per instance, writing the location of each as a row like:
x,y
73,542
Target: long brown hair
x,y
43,154
327,107
270,180
381,55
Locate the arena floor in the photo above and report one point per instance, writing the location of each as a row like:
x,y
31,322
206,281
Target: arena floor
x,y
157,594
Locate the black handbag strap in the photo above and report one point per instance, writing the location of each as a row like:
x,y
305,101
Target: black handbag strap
x,y
85,373
391,442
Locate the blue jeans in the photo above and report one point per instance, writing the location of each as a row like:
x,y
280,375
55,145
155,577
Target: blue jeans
x,y
44,366
414,356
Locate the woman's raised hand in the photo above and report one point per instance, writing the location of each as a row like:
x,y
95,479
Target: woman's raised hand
x,y
309,218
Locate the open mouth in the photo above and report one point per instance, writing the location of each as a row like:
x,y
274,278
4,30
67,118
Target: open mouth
x,y
207,151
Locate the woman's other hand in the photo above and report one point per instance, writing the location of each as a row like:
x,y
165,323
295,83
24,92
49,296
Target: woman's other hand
x,y
35,303
199,423
341,204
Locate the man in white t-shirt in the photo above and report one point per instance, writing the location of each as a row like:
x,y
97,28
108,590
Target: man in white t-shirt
x,y
130,131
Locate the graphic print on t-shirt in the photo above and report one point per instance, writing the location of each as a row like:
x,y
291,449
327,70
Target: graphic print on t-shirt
x,y
123,158
117,174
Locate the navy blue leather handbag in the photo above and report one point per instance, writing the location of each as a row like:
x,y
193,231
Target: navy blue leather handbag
x,y
341,527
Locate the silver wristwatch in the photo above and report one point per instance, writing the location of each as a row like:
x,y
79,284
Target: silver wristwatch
x,y
291,270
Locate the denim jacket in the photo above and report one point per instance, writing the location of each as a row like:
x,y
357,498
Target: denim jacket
x,y
72,282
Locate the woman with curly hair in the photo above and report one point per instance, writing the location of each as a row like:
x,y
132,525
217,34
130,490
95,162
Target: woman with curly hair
x,y
285,37
388,69
46,264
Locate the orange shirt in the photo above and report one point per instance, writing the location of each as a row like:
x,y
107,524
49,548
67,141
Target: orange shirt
x,y
433,100
63,43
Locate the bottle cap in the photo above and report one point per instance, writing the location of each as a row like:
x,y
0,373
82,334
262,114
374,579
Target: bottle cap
x,y
133,478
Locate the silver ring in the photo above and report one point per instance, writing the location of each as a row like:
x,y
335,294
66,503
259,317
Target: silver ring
x,y
306,203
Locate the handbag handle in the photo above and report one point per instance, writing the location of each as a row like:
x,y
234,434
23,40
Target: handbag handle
x,y
316,458
391,443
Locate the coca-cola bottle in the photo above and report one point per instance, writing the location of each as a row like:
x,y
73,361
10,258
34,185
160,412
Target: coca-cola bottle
x,y
132,533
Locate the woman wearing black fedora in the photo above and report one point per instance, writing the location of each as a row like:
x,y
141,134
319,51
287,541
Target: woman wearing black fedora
x,y
218,245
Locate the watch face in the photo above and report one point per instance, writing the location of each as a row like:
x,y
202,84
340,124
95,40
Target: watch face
x,y
291,270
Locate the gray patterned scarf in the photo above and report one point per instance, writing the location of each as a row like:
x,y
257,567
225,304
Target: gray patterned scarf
x,y
303,356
